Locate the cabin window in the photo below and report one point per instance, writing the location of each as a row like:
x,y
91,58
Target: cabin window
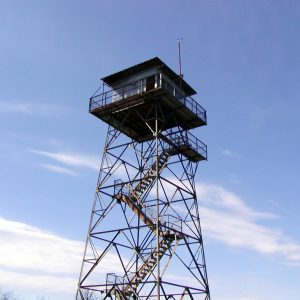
x,y
158,80
117,94
150,83
131,89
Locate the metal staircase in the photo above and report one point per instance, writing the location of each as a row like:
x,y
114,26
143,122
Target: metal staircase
x,y
149,264
133,201
148,180
136,208
133,195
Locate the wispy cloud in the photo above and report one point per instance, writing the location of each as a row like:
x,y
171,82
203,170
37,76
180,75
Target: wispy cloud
x,y
8,107
233,178
38,282
229,153
29,248
31,258
227,218
71,159
31,108
58,169
35,259
218,198
238,224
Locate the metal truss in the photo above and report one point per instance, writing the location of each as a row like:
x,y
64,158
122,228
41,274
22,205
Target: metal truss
x,y
144,238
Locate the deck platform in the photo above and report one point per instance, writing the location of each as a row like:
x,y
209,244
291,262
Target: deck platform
x,y
187,145
130,111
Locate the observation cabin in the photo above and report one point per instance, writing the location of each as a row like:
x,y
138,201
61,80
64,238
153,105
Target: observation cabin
x,y
132,99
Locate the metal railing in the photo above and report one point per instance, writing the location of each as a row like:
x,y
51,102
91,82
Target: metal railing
x,y
124,188
185,138
119,283
134,88
167,222
115,280
142,86
172,222
187,101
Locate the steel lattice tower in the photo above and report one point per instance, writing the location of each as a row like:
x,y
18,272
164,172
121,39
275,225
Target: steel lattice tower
x,y
144,239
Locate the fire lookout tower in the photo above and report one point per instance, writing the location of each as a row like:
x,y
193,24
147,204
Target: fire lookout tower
x,y
144,238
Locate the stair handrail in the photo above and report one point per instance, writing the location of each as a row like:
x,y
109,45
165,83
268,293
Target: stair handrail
x,y
126,189
127,281
123,281
150,210
172,222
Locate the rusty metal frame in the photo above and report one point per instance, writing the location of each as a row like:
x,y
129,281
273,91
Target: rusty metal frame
x,y
135,179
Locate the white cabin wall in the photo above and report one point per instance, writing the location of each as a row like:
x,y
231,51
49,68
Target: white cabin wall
x,y
134,84
135,77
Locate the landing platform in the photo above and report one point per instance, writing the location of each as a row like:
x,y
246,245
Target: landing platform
x,y
187,145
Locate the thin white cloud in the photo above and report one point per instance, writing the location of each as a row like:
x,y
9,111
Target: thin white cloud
x,y
38,282
29,248
34,259
58,169
217,197
37,260
229,153
233,178
30,108
71,159
226,218
9,107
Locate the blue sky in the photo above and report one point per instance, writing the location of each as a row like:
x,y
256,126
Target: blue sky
x,y
243,59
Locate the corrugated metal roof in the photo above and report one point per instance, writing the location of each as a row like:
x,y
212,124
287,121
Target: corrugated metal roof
x,y
154,62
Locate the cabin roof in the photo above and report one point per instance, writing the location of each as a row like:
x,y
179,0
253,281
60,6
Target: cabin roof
x,y
154,62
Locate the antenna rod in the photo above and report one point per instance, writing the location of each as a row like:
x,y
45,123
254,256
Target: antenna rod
x,y
179,56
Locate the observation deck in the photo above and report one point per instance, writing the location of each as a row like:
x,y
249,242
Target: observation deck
x,y
128,104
